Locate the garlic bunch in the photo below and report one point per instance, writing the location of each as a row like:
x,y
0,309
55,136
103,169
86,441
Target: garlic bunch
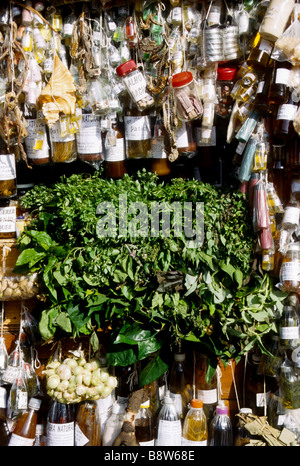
x,y
74,380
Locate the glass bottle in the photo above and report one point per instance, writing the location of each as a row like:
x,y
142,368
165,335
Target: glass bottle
x,y
89,139
289,386
220,429
169,429
114,424
260,53
62,142
25,429
40,438
280,82
8,179
194,431
60,424
290,269
144,428
3,358
188,103
179,386
241,435
207,390
88,425
18,396
285,117
137,130
275,19
36,141
258,387
159,160
114,149
289,331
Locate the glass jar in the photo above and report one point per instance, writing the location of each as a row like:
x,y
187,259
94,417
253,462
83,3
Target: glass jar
x,y
135,84
188,102
290,269
63,143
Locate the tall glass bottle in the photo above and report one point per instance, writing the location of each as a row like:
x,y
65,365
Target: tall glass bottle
x,y
114,424
114,150
207,391
144,428
159,160
194,431
88,425
289,333
18,396
169,429
280,82
25,429
179,386
285,117
137,130
60,424
220,429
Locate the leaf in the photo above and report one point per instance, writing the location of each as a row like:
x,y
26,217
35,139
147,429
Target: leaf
x,y
238,275
63,321
120,355
46,327
42,238
27,259
147,347
152,371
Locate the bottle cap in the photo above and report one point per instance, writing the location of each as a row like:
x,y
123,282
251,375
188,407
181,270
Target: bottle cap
x,y
179,357
126,68
182,79
34,403
246,410
222,409
196,403
118,408
40,429
226,73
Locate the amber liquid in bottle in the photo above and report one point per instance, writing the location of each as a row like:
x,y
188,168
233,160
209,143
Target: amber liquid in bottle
x,y
115,163
137,131
279,86
88,426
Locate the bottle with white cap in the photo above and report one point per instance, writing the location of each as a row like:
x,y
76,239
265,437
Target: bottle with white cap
x,y
169,427
25,428
180,388
144,427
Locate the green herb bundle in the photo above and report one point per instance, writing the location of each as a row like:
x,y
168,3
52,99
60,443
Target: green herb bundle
x,y
149,291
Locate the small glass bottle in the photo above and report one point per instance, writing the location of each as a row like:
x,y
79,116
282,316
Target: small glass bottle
x,y
25,429
289,386
144,427
40,438
159,160
260,53
285,117
135,84
220,429
8,178
280,82
114,150
194,431
241,435
89,140
62,142
18,396
290,269
88,425
36,141
289,331
169,429
114,424
60,424
180,389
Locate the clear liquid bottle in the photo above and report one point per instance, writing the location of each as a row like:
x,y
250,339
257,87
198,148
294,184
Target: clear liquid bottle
x,y
289,332
180,389
25,429
60,424
114,424
144,428
195,431
18,396
169,429
220,429
88,425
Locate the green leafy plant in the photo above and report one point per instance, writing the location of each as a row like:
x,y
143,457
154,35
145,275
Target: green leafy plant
x,y
147,291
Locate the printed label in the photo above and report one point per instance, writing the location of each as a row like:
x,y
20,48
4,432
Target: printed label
x,y
36,131
60,434
192,443
18,441
287,112
7,167
290,271
208,396
266,46
88,138
289,333
282,76
169,433
8,219
262,399
137,128
136,85
55,134
115,153
181,136
80,438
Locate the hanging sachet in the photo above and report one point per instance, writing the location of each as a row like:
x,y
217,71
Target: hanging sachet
x,y
287,47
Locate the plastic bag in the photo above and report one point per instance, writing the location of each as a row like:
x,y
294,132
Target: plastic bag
x,y
289,44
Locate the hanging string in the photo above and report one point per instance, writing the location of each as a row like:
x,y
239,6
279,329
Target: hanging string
x,y
219,384
194,374
234,384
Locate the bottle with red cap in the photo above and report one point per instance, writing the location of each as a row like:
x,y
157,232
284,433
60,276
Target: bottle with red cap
x,y
194,431
220,429
136,84
188,102
226,76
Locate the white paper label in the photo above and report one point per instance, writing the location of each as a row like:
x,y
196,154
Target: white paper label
x,y
289,333
282,76
88,138
55,135
136,85
8,219
3,397
290,271
266,46
169,433
7,167
80,438
150,443
137,128
181,136
60,434
115,153
262,399
291,215
208,396
18,441
193,443
287,112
